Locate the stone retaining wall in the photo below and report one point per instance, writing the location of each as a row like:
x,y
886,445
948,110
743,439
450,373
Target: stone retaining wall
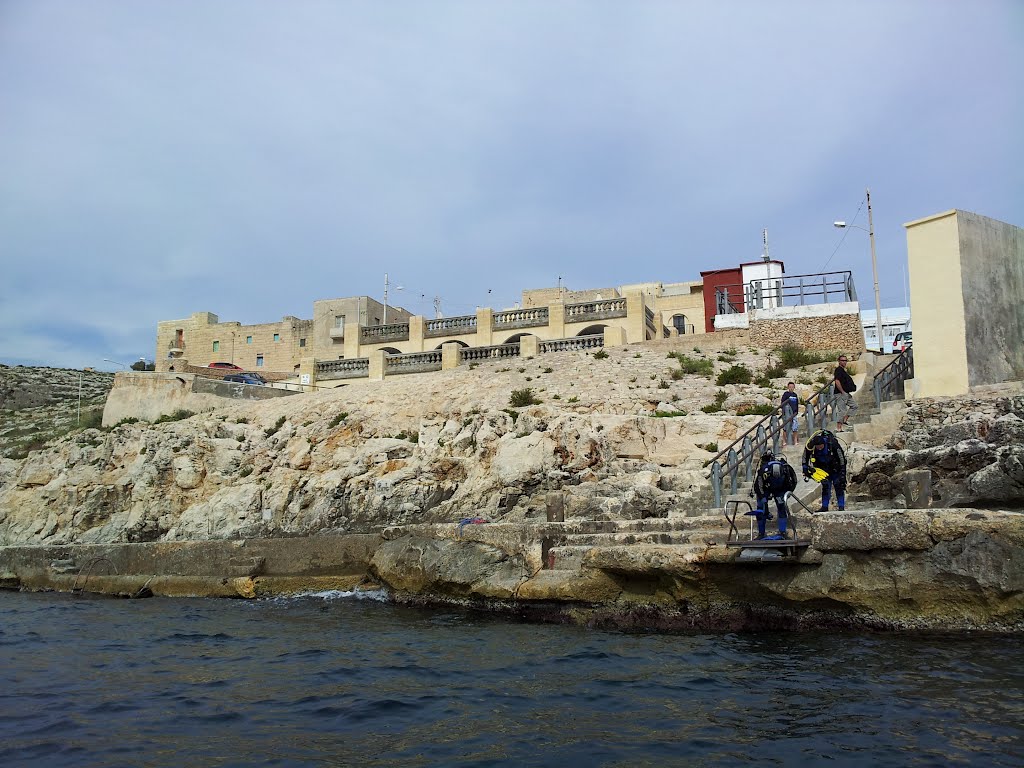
x,y
831,332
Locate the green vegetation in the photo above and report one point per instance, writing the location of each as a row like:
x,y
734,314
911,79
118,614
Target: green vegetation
x,y
241,420
512,413
668,414
126,420
710,447
277,425
338,419
756,410
549,370
178,415
246,471
736,374
600,355
573,399
719,405
663,384
412,437
694,366
795,356
520,398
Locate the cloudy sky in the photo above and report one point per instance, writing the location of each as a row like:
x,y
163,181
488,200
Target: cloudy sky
x,y
159,158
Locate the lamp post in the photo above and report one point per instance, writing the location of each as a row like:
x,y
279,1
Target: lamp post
x,y
107,360
874,267
386,285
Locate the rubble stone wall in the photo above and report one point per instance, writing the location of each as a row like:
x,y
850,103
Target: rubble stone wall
x,y
833,332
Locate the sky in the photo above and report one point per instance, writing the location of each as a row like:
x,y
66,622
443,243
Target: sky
x,y
247,157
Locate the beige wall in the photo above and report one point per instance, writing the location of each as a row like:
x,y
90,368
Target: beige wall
x,y
966,301
235,343
357,310
541,297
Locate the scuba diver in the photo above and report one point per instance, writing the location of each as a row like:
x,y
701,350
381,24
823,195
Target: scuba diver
x,y
775,478
825,462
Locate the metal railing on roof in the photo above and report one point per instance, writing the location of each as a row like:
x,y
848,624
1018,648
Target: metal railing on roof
x,y
785,290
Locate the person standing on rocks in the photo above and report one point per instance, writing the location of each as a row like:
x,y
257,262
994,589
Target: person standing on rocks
x,y
790,409
825,461
844,388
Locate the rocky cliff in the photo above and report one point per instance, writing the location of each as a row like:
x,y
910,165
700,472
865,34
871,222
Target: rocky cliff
x,y
615,448
428,448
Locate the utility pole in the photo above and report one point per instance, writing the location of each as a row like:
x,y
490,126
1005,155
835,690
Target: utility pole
x,y
386,296
874,269
79,398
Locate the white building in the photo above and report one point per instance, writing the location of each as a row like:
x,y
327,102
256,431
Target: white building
x,y
894,320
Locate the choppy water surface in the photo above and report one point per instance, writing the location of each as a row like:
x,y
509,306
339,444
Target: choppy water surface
x,y
335,680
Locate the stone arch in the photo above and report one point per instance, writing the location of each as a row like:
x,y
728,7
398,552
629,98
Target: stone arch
x,y
453,341
593,330
515,338
680,323
391,351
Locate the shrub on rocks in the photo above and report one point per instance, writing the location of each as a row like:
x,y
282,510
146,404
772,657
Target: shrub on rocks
x,y
521,398
736,374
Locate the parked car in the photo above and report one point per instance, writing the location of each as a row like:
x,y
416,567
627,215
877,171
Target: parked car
x,y
903,340
232,366
246,378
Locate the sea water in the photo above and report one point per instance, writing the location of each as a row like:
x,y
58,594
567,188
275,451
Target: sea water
x,y
339,679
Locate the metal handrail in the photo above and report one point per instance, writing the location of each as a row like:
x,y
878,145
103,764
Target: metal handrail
x,y
754,442
895,373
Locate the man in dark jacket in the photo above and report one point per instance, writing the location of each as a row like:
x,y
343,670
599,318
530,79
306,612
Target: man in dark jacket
x,y
844,388
825,461
775,478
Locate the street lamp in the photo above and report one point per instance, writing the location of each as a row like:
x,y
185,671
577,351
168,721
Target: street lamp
x,y
874,267
386,285
107,360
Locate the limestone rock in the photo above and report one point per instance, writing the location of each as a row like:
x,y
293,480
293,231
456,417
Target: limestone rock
x,y
418,565
866,531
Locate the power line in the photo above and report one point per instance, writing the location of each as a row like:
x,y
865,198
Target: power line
x,y
846,231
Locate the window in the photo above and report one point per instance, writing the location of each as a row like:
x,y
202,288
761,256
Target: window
x,y
302,342
277,337
216,346
339,321
248,339
259,361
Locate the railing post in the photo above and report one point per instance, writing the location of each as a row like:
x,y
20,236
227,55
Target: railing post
x,y
484,327
732,462
774,430
307,371
529,345
747,449
716,483
417,331
450,355
377,365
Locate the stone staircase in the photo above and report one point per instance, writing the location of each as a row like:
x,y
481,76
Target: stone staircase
x,y
690,534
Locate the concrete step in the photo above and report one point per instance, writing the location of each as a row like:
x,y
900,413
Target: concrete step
x,y
649,525
625,539
570,557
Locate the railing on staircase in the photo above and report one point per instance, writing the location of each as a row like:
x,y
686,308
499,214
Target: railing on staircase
x,y
741,453
888,382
